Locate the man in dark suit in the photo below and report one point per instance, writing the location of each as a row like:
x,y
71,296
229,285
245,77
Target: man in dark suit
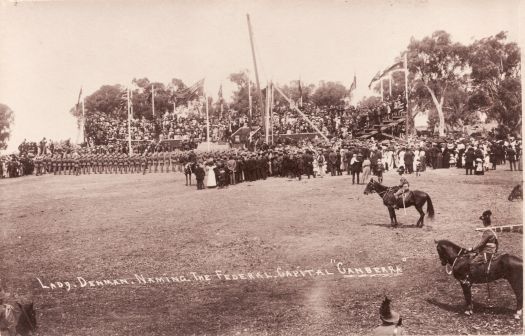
x,y
409,161
332,162
308,161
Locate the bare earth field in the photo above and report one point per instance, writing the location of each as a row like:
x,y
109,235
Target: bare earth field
x,y
76,232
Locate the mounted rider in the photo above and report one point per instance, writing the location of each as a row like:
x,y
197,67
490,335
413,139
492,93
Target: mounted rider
x,y
488,245
485,250
403,187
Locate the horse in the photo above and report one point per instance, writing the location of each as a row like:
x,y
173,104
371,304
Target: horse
x,y
414,198
188,170
517,192
17,319
505,266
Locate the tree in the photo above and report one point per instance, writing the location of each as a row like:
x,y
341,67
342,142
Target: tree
x,y
240,100
437,64
369,103
291,90
329,94
109,100
7,118
496,80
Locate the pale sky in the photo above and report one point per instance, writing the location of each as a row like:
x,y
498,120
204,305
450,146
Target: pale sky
x,y
48,50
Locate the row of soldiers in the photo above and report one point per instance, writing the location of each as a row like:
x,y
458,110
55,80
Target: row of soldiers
x,y
116,163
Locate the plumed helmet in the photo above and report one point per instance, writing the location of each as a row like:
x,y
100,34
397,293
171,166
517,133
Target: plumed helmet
x,y
386,313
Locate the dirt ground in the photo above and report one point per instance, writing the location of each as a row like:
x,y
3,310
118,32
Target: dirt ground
x,y
284,237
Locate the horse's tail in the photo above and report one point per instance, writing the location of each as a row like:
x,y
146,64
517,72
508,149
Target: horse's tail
x,y
430,207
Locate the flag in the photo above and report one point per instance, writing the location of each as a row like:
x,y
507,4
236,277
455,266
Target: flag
x,y
354,84
397,66
401,65
191,92
123,100
220,94
375,79
79,95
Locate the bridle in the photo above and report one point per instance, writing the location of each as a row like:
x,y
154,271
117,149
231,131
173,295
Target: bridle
x,y
454,263
382,193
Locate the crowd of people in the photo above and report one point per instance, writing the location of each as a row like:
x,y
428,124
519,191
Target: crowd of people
x,y
188,122
360,158
336,121
103,130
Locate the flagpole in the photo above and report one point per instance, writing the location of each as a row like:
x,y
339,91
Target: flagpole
x,y
153,99
406,94
255,66
267,114
271,107
207,123
390,84
83,121
250,102
129,122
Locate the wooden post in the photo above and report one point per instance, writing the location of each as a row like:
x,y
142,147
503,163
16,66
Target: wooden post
x,y
302,114
249,103
207,124
129,122
406,95
271,108
255,67
267,114
153,99
83,121
381,89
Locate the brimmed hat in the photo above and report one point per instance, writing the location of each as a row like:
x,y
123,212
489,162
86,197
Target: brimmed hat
x,y
386,313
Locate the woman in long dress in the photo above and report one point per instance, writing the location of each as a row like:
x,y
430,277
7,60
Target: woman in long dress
x,y
366,170
211,181
315,164
401,159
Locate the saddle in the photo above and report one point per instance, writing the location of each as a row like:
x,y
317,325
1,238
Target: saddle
x,y
389,198
479,264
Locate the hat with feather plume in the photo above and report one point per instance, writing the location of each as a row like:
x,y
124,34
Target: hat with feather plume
x,y
386,313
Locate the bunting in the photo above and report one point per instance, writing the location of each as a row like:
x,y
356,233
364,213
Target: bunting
x,y
354,84
375,79
191,92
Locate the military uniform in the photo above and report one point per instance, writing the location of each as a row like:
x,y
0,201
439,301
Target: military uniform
x,y
54,164
76,165
404,187
486,248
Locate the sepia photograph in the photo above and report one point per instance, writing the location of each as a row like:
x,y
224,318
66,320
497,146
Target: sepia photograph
x,y
261,167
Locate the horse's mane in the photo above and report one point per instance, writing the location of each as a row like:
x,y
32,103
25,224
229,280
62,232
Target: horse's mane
x,y
445,242
377,183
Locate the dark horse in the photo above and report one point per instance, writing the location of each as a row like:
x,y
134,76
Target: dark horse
x,y
517,192
505,266
413,198
17,319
